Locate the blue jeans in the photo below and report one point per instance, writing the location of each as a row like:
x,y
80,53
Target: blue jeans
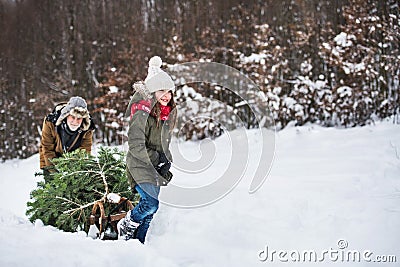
x,y
145,209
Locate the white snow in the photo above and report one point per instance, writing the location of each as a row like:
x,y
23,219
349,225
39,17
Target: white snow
x,y
344,40
189,91
327,188
254,58
113,198
290,102
113,89
349,67
344,91
115,124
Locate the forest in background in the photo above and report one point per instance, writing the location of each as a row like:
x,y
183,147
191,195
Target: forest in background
x,y
334,63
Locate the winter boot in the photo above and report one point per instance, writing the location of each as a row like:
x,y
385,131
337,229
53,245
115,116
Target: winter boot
x,y
127,227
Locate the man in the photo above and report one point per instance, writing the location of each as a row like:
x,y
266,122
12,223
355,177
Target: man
x,y
66,129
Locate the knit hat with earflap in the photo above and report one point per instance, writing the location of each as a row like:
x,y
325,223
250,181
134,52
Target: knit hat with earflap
x,y
76,107
157,79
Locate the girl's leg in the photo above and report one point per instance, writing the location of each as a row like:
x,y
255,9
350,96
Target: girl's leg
x,y
141,231
147,206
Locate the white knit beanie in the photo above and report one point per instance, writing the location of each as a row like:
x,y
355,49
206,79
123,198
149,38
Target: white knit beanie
x,y
157,79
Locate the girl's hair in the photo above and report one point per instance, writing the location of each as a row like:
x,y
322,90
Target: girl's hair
x,y
155,111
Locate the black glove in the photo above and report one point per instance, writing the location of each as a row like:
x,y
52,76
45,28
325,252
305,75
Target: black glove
x,y
163,170
162,158
164,165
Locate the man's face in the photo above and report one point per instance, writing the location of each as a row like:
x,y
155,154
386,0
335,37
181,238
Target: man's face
x,y
74,122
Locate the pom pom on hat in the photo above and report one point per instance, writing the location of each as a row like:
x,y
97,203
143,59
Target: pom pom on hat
x,y
157,79
155,62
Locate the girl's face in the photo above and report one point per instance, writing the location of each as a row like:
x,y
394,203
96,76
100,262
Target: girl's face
x,y
73,122
163,96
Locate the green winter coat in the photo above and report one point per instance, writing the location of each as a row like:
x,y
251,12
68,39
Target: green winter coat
x,y
146,141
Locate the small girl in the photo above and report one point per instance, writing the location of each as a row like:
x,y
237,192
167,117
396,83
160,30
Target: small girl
x,y
152,117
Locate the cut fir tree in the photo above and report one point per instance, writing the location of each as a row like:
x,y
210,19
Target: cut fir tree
x,y
79,180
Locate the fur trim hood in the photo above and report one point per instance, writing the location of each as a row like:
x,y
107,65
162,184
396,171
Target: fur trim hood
x,y
77,107
141,89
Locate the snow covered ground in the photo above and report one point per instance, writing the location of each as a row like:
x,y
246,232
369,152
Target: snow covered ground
x,y
331,194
